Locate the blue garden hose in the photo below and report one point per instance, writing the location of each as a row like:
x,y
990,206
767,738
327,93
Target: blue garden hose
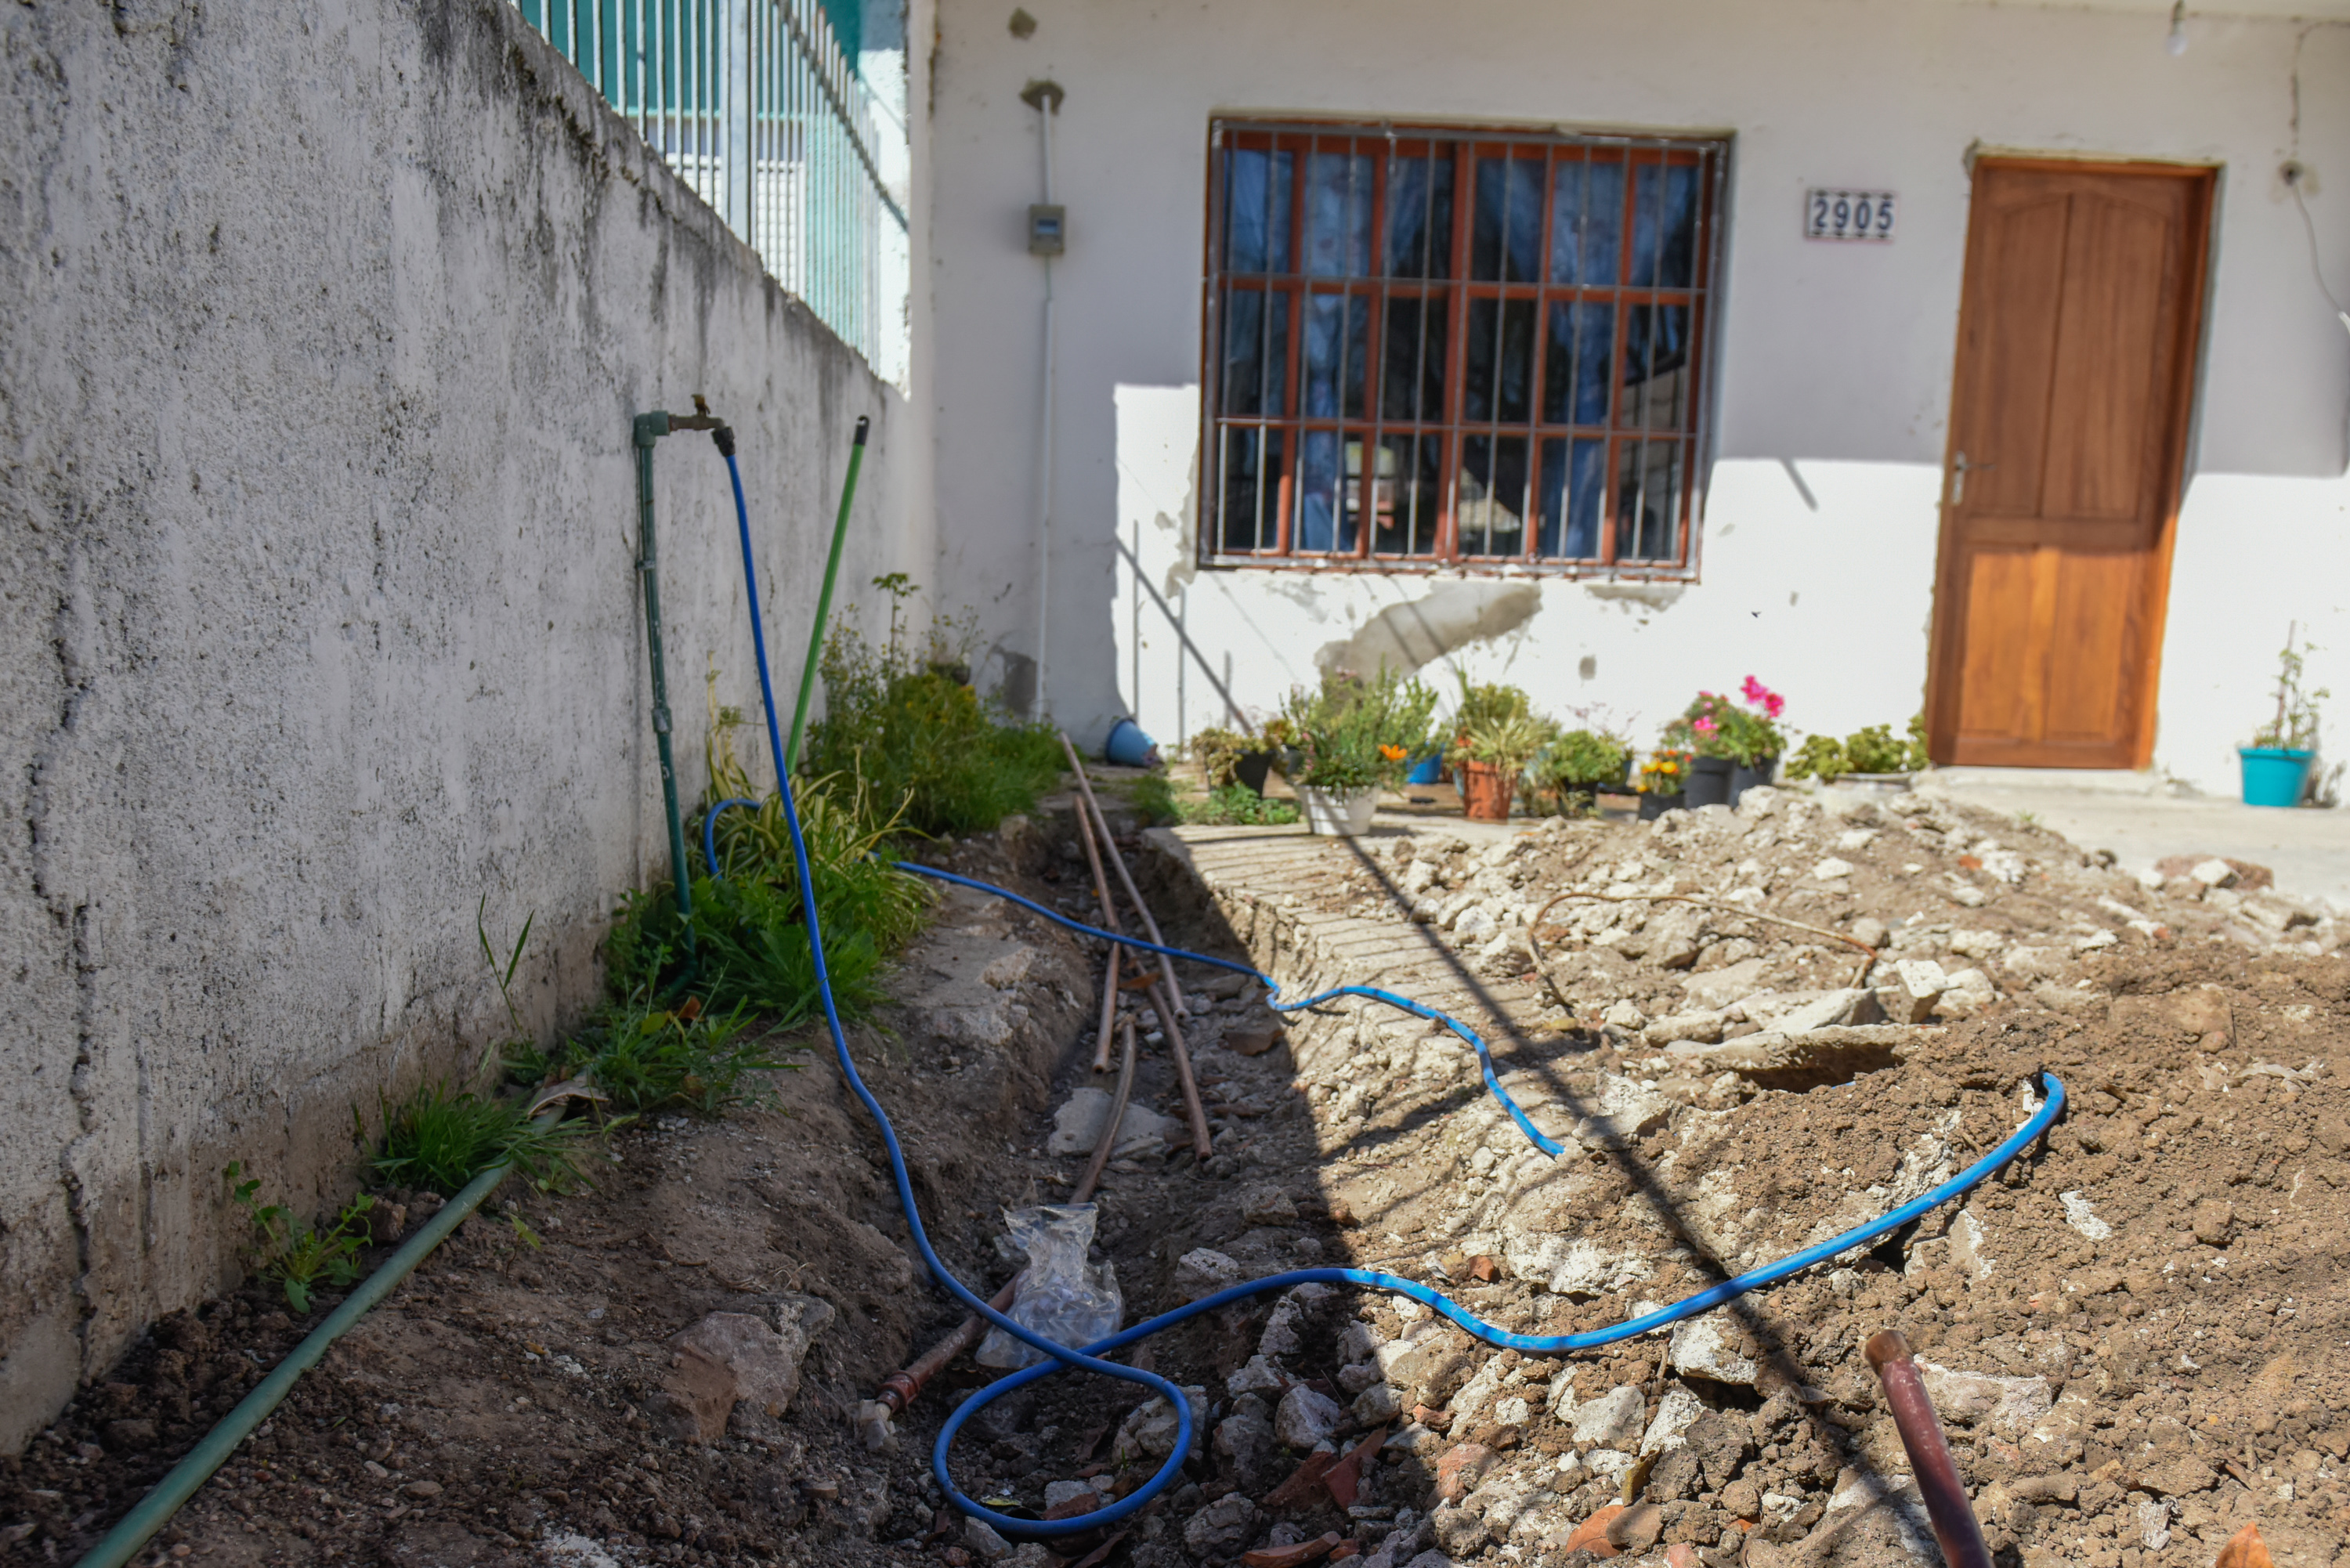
x,y
1090,1359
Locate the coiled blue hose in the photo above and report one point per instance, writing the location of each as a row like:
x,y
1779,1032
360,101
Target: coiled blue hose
x,y
1091,1357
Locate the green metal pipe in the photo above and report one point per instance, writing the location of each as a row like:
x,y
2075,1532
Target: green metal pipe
x,y
156,1509
824,599
651,428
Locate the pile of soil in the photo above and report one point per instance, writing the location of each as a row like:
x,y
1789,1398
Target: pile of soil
x,y
2137,1334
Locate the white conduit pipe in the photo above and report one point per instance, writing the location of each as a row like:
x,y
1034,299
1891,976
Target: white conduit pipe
x,y
1042,708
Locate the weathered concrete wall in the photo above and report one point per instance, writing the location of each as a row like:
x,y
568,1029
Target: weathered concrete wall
x,y
322,325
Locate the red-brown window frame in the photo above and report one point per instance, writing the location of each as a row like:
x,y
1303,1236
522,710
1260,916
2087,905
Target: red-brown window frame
x,y
1690,438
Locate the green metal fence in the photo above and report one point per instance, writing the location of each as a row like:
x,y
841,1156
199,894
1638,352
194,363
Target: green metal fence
x,y
755,104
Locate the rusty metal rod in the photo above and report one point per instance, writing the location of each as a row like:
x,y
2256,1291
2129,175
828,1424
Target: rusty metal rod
x,y
1105,1144
1142,909
1166,996
1953,1517
1109,1024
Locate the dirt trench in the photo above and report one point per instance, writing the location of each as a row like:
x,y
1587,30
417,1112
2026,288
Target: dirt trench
x,y
2137,1334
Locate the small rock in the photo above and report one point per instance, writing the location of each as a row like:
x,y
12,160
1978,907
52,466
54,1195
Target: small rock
x,y
1675,1413
1223,1527
1851,1006
1699,1349
1462,1467
1831,869
1375,1405
1306,1418
1076,1126
1246,1439
981,1537
1613,1420
1149,1429
1254,1040
1060,1491
1358,1343
1592,1533
1871,932
1203,1271
1458,1531
2215,1222
1259,1377
1966,994
1267,1205
2213,873
2008,1405
1636,1529
422,1489
1909,994
2082,1215
1624,1113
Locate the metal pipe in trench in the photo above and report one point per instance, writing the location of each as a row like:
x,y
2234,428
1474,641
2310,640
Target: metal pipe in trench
x,y
1952,1516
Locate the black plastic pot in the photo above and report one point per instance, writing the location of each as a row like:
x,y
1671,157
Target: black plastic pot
x,y
1746,775
1709,782
1653,806
1252,768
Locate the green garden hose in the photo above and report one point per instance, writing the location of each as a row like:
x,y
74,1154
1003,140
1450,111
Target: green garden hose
x,y
824,599
156,1509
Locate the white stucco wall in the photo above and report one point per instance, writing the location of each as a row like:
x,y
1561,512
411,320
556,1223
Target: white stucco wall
x,y
1834,371
321,330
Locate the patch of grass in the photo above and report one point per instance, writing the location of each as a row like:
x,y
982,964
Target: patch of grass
x,y
1153,796
294,1254
442,1139
649,1058
908,724
1236,806
749,936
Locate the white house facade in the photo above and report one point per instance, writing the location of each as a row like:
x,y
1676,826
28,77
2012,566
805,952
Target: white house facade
x,y
1881,349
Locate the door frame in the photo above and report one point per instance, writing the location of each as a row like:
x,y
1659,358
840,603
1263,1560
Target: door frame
x,y
1943,653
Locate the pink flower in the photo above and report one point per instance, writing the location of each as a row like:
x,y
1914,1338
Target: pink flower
x,y
1763,697
1705,725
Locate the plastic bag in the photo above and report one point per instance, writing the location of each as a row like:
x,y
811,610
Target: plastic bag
x,y
1061,1295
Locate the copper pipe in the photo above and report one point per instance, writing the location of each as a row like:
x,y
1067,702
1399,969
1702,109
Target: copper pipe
x,y
1126,878
1108,1011
1107,1141
1953,1517
1165,995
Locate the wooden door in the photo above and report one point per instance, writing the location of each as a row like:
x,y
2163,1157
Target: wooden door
x,y
2076,342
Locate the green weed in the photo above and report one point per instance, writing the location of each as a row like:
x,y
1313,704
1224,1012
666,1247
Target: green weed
x,y
1236,806
296,1254
1154,797
908,724
645,1057
442,1140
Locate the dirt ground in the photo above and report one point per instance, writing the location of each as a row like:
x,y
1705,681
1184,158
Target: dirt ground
x,y
2140,1335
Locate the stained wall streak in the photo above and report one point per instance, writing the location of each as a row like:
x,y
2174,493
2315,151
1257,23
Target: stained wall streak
x,y
321,325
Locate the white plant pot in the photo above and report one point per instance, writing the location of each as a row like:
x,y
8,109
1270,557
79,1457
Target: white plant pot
x,y
1338,813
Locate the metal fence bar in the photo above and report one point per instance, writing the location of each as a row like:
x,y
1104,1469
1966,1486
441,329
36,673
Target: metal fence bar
x,y
756,106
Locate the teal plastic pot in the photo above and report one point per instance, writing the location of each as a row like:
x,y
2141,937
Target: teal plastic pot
x,y
2273,776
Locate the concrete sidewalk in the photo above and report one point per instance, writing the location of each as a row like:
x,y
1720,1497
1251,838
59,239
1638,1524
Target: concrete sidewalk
x,y
2138,818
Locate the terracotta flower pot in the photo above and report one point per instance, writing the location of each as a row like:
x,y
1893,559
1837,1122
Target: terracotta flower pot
x,y
1486,792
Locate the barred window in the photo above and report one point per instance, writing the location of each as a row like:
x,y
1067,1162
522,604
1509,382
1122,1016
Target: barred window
x,y
1462,346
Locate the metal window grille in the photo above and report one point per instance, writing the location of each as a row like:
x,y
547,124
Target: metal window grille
x,y
1429,346
755,104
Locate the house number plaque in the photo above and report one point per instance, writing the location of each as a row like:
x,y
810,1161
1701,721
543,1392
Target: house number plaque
x,y
1848,215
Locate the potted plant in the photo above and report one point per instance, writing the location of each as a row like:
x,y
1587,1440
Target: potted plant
x,y
1582,764
1347,738
1228,757
1481,707
1492,756
1866,759
1664,784
1733,746
2276,764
